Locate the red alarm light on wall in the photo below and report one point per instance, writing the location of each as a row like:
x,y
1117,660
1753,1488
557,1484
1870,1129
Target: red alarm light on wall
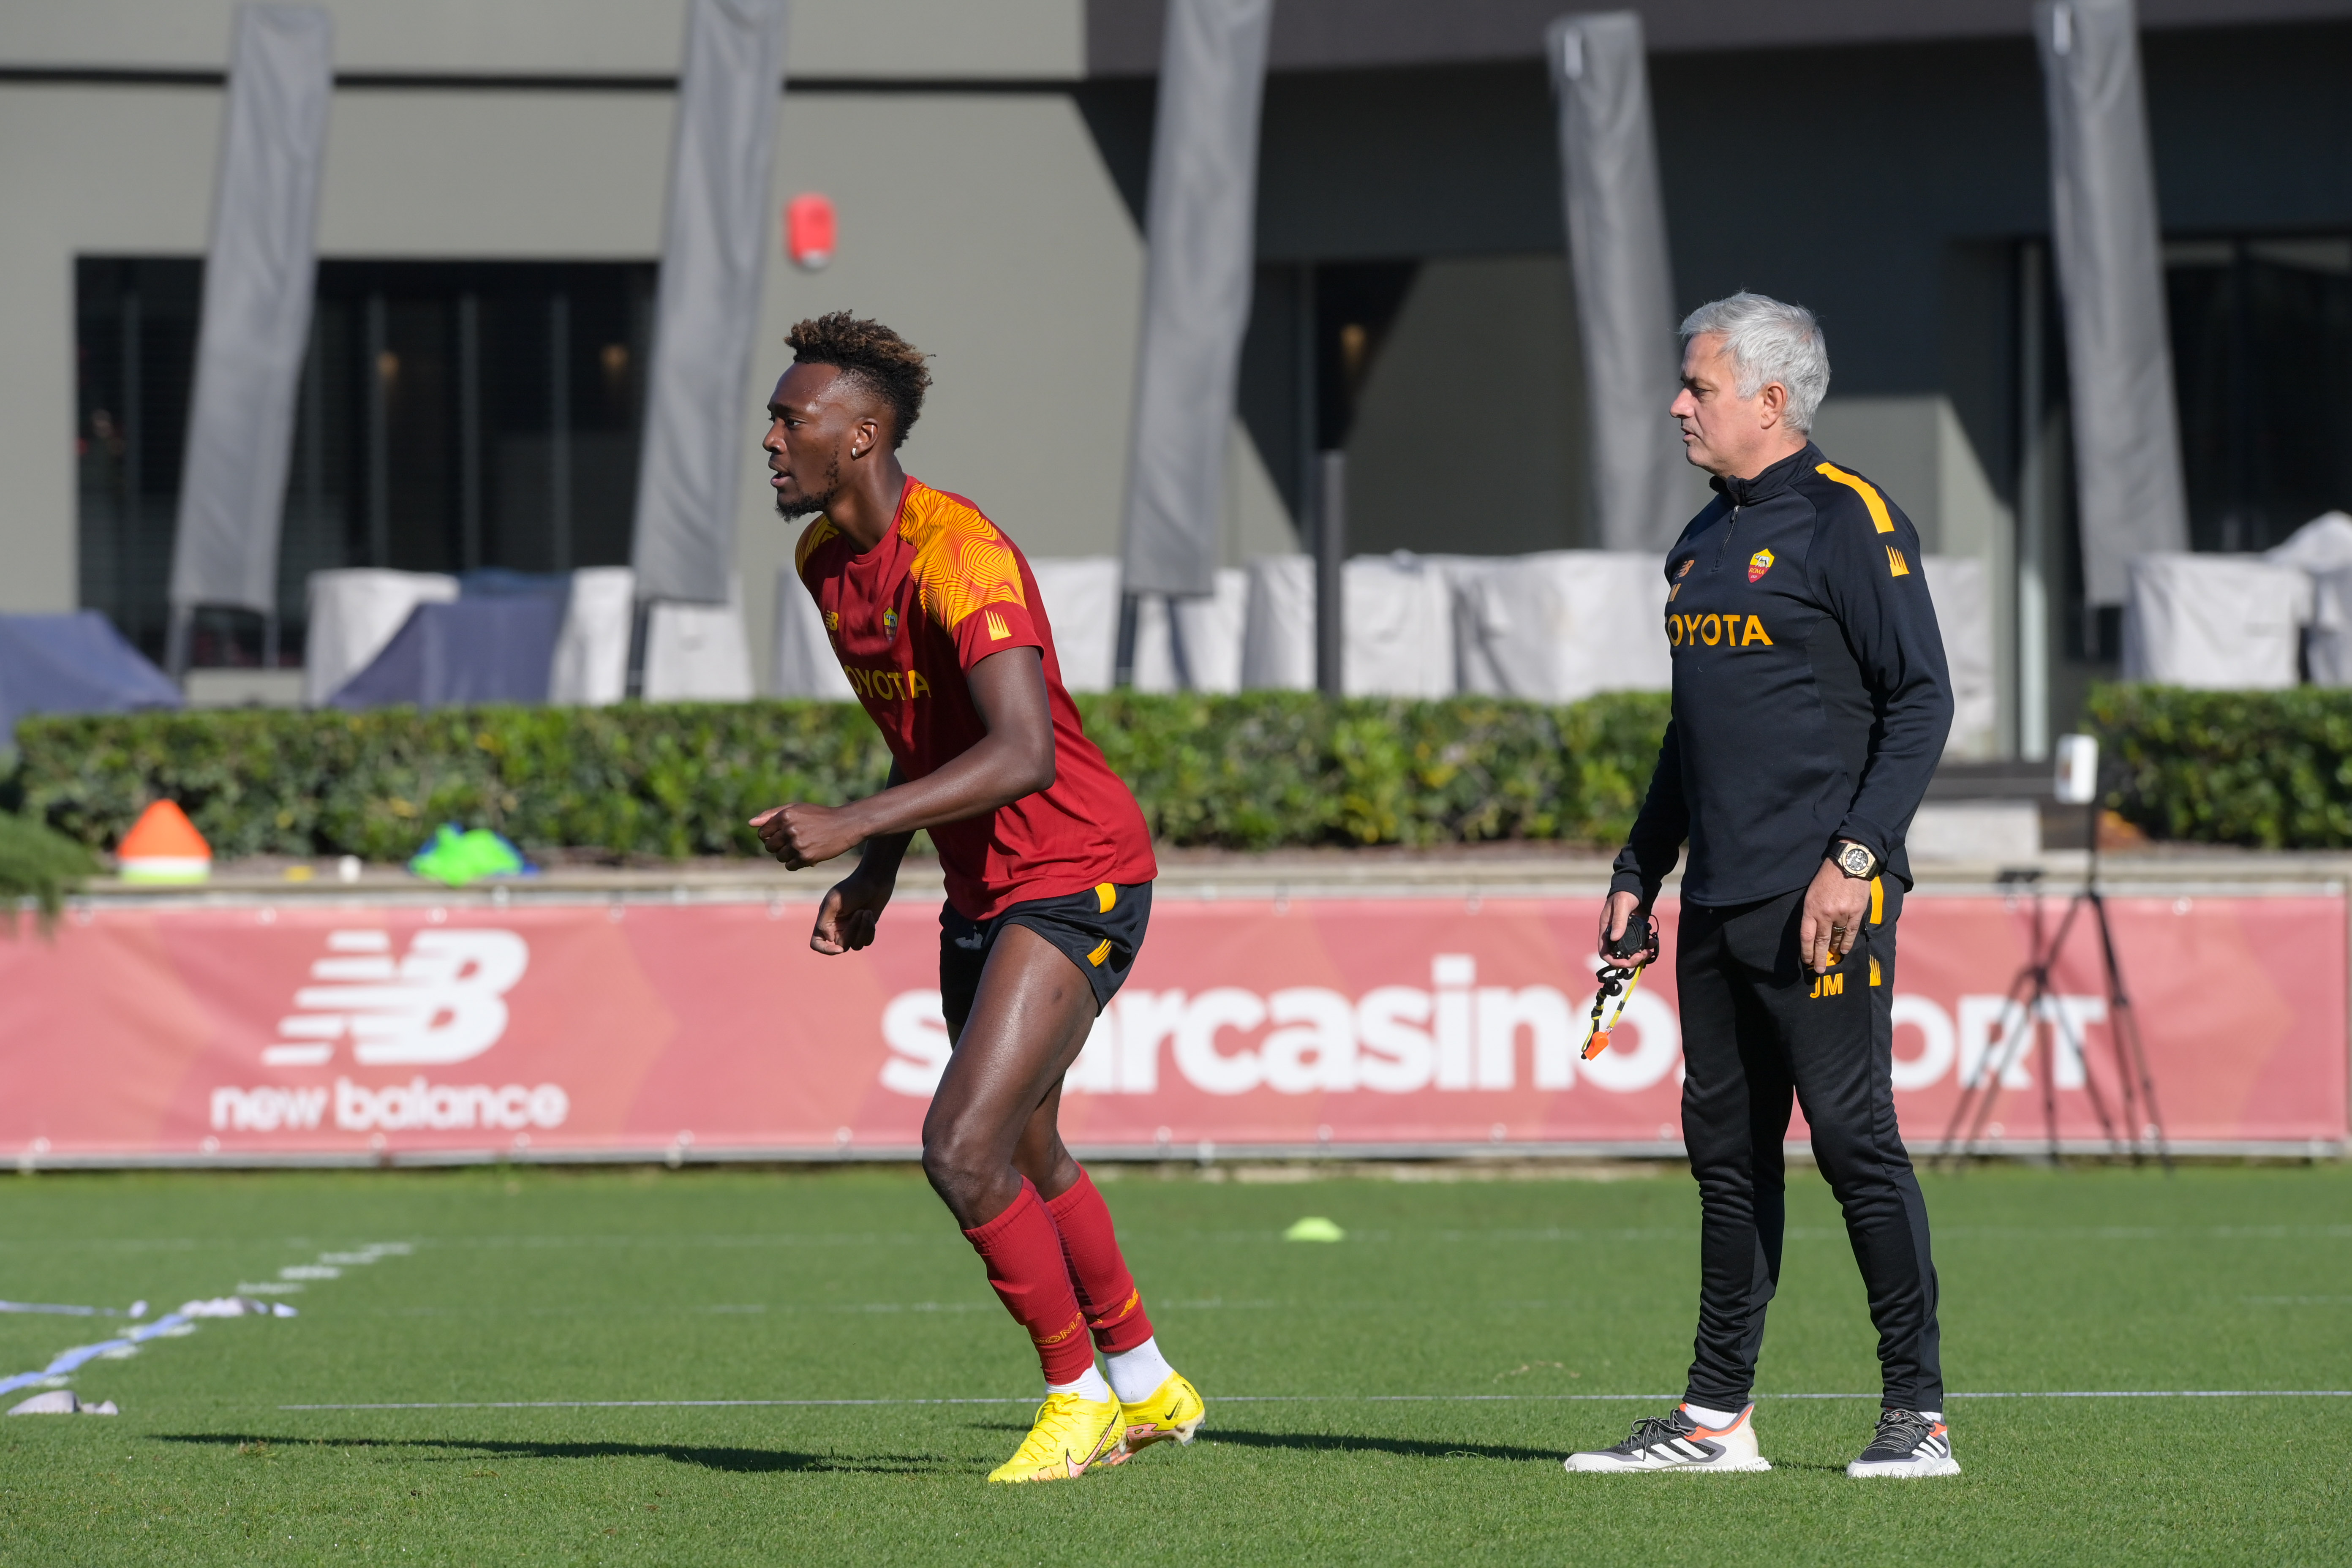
x,y
808,230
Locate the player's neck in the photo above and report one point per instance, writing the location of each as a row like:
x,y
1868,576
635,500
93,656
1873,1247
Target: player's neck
x,y
864,509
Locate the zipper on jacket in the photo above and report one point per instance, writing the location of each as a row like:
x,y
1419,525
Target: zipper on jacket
x,y
1720,550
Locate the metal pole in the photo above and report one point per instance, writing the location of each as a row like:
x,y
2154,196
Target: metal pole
x,y
379,433
1330,574
2032,507
469,430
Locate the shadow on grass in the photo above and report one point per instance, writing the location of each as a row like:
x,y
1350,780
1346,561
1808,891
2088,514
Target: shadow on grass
x,y
752,1461
1341,1443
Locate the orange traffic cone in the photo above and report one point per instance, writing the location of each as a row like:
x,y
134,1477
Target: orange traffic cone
x,y
164,846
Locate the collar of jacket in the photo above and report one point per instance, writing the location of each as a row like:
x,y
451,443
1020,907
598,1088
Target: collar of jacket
x,y
1772,481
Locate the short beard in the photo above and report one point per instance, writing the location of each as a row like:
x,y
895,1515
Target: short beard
x,y
809,504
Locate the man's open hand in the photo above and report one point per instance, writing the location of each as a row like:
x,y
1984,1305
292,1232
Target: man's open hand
x,y
1835,906
802,835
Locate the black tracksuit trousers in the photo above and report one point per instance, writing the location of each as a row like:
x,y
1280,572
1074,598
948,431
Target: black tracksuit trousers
x,y
1758,1027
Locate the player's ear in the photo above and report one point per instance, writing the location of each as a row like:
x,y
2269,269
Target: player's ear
x,y
864,436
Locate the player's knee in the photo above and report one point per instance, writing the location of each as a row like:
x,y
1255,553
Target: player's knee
x,y
959,1168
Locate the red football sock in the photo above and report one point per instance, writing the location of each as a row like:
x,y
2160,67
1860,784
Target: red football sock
x,y
1106,1291
1025,1263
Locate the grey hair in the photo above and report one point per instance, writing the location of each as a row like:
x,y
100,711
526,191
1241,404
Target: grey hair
x,y
1768,340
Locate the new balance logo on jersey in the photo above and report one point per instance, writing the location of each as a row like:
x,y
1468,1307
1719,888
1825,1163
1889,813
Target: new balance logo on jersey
x,y
997,630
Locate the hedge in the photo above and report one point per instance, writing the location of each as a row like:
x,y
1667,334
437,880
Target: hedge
x,y
1256,771
2272,769
39,864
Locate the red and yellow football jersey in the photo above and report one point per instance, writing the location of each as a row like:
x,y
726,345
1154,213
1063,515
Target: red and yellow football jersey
x,y
943,590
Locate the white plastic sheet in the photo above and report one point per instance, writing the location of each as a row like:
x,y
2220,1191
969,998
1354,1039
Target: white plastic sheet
x,y
260,268
1082,594
1961,591
1560,625
2227,622
706,317
354,613
2322,548
1210,629
1279,623
592,651
804,663
697,653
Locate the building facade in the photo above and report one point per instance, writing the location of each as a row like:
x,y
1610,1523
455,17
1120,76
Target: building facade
x,y
493,199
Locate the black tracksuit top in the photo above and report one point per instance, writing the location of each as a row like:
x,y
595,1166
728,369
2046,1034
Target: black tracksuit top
x,y
1810,700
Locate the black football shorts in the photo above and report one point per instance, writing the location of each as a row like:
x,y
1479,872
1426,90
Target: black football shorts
x,y
1101,930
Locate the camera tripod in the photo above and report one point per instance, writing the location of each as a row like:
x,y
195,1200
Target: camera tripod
x,y
2032,1014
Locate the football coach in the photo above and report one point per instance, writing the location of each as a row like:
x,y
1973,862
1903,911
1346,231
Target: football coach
x,y
1810,703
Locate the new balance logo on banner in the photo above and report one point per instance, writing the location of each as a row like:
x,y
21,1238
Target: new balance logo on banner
x,y
443,1001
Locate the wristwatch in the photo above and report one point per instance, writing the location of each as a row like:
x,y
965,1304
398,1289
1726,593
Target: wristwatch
x,y
1855,861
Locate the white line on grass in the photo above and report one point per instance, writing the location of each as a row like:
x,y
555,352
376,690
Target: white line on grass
x,y
1312,1399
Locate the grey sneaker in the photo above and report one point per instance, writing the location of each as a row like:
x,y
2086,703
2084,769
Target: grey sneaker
x,y
1676,1442
1908,1444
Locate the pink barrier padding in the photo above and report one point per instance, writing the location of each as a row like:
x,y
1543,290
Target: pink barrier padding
x,y
1356,1023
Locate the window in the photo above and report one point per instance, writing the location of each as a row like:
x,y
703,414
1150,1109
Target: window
x,y
2261,357
450,417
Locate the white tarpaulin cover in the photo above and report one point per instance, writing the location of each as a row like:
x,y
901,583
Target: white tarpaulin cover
x,y
1081,594
2127,440
2322,548
2226,623
805,664
708,313
697,653
1625,286
1210,630
1199,231
1560,625
354,614
1398,622
1962,594
260,271
592,652
1279,623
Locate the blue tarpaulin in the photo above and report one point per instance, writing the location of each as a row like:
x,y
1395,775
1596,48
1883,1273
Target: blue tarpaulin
x,y
73,664
489,649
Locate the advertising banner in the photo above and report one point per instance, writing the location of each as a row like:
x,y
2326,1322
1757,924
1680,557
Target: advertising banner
x,y
1368,1023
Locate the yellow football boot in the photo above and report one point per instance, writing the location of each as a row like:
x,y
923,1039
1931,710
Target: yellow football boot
x,y
1174,1410
1071,1433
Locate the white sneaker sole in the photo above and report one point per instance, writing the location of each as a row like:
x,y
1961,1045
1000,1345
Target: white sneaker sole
x,y
1904,1469
1710,1467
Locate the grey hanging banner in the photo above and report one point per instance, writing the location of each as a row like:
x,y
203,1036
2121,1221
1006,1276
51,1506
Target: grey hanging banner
x,y
1624,283
260,270
2126,440
1200,228
708,313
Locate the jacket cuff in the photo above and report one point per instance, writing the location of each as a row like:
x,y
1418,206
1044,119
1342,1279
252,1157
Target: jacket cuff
x,y
1630,882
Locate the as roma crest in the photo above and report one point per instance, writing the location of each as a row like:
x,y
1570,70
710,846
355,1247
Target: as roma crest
x,y
890,623
1758,563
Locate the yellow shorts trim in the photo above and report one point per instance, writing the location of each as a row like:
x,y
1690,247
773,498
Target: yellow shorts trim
x,y
1877,903
1104,897
1873,970
1102,951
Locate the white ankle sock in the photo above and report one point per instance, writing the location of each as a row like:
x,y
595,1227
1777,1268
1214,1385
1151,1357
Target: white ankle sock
x,y
1090,1386
1717,1419
1138,1373
1933,1414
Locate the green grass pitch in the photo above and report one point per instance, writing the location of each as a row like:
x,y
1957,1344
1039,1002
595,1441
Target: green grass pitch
x,y
532,1286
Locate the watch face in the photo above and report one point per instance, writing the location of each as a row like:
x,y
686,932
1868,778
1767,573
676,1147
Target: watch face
x,y
1856,860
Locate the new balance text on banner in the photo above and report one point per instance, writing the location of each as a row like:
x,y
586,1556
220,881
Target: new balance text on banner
x,y
580,1029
